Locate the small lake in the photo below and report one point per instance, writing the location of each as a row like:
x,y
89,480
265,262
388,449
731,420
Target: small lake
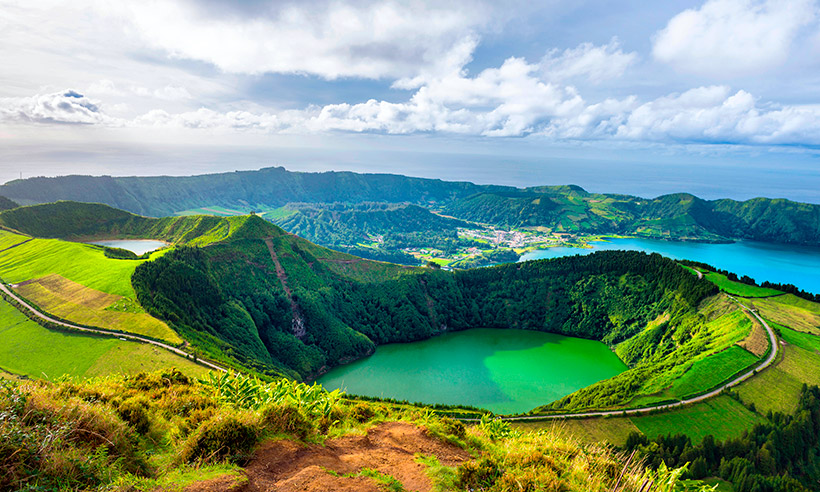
x,y
505,371
798,265
138,246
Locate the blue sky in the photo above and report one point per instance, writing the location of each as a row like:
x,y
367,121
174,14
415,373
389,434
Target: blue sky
x,y
520,93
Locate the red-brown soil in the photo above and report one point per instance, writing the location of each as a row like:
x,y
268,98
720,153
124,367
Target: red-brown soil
x,y
389,448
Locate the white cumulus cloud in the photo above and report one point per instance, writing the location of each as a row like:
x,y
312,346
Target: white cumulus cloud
x,y
725,38
330,39
68,107
595,63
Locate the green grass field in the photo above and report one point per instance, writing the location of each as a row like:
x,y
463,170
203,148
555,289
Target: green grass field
x,y
26,348
80,307
722,417
737,288
711,371
791,311
595,430
82,263
8,239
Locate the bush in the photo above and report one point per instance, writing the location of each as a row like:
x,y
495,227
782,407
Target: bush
x,y
229,434
478,475
362,412
454,427
135,411
60,442
285,418
151,380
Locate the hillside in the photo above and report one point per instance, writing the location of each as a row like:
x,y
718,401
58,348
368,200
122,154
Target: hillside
x,y
269,187
165,431
245,293
264,299
559,208
293,306
372,230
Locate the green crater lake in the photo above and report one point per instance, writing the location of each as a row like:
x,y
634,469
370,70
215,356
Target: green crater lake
x,y
505,371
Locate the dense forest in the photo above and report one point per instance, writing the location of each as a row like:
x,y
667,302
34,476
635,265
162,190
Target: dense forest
x,y
561,208
6,204
388,227
273,187
300,309
779,455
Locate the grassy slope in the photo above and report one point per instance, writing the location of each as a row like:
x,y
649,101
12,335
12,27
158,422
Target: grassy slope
x,y
84,267
721,417
711,371
81,263
777,388
79,306
26,348
740,289
722,326
792,311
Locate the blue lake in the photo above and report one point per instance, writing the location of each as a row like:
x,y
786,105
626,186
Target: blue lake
x,y
798,265
138,246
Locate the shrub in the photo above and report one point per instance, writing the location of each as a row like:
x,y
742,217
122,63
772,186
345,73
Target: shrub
x,y
135,411
454,427
230,434
60,442
285,418
362,412
478,475
146,381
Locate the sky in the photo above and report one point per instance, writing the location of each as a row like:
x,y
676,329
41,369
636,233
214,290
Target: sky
x,y
716,97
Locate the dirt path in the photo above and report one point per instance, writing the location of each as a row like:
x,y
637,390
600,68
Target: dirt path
x,y
298,323
124,336
390,448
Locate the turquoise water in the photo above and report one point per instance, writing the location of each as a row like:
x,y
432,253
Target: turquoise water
x,y
506,371
798,265
138,246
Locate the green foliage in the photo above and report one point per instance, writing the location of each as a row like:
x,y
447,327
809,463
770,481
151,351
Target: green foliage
x,y
229,434
562,208
229,300
251,393
495,428
6,204
779,454
739,288
29,349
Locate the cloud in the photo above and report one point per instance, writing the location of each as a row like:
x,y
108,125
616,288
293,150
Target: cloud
x,y
330,39
68,107
726,38
595,63
715,114
166,93
711,114
515,99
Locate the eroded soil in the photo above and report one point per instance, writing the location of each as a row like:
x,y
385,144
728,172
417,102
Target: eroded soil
x,y
390,448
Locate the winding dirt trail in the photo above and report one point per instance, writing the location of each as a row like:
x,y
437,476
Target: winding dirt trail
x,y
101,331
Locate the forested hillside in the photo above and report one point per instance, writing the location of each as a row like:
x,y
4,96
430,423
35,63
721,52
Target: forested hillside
x,y
678,216
272,187
6,204
299,308
385,229
559,208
